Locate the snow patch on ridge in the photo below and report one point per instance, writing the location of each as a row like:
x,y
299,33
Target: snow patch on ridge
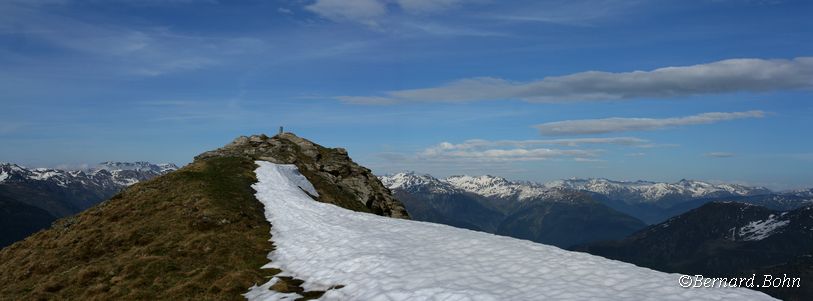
x,y
380,258
759,230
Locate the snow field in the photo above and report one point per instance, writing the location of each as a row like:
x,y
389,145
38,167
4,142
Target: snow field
x,y
381,258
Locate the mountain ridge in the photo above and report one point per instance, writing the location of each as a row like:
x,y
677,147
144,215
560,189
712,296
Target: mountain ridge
x,y
652,202
550,215
723,239
59,192
198,232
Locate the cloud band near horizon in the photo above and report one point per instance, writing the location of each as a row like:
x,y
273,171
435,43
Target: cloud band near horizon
x,y
725,76
481,150
616,124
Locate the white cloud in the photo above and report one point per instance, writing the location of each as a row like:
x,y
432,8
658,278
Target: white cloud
x,y
493,155
579,159
571,13
176,65
365,11
726,76
373,12
130,50
427,6
610,125
479,143
518,150
517,154
440,29
719,155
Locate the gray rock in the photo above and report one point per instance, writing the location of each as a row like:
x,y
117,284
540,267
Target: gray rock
x,y
335,176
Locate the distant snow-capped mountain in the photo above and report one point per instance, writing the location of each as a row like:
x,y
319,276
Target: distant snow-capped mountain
x,y
138,166
551,215
488,186
500,188
653,192
64,192
413,182
629,192
652,202
107,174
31,198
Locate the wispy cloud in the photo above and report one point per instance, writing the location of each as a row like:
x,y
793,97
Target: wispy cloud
x,y
518,150
581,159
129,50
719,155
439,153
363,11
726,76
480,143
492,153
578,13
404,18
616,124
188,111
429,6
375,12
440,29
371,12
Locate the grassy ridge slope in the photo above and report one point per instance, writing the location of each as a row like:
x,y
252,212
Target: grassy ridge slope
x,y
195,233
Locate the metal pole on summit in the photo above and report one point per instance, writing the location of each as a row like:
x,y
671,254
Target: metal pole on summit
x,y
280,130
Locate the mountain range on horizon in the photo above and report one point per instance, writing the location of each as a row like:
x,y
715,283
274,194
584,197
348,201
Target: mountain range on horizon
x,y
31,199
651,202
648,190
557,216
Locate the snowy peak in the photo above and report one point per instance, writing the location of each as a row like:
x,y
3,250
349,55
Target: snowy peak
x,y
11,172
485,185
413,182
497,187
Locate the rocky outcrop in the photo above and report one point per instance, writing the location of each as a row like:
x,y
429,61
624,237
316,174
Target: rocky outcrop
x,y
337,179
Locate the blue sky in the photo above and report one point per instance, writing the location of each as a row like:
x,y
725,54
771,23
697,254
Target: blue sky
x,y
534,90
